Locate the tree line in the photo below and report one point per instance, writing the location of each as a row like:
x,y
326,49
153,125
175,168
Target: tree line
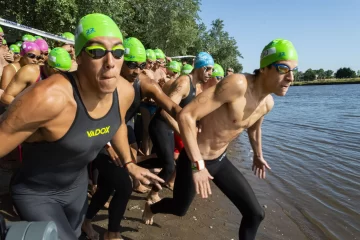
x,y
172,25
310,74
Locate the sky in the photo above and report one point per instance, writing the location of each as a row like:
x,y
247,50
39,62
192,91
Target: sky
x,y
326,33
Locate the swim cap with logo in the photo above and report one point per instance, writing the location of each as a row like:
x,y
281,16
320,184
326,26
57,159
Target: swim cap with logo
x,y
14,48
134,50
19,44
28,38
277,50
186,69
44,47
174,66
203,59
60,59
38,37
92,26
68,36
27,47
150,54
218,71
159,54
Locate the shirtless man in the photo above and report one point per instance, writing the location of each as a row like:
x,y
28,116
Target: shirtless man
x,y
30,74
182,92
65,121
30,53
236,103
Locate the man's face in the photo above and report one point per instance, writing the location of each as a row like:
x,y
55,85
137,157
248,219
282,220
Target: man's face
x,y
32,57
229,71
205,73
131,70
70,49
102,69
160,63
279,77
149,64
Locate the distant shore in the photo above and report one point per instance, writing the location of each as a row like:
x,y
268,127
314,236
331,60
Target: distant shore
x,y
327,82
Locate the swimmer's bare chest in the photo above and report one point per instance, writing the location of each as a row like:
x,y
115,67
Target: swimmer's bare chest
x,y
223,125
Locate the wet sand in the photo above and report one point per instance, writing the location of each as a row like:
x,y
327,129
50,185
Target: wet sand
x,y
212,218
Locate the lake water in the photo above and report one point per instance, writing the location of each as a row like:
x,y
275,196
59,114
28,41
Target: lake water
x,y
311,141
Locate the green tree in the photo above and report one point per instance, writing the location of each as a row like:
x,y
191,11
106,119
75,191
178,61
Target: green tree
x,y
309,75
299,76
221,46
320,74
329,74
345,73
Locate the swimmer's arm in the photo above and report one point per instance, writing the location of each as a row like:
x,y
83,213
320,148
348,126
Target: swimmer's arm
x,y
226,91
27,113
17,84
254,132
170,109
178,90
120,141
5,78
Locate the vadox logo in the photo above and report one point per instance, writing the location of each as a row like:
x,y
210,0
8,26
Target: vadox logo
x,y
98,131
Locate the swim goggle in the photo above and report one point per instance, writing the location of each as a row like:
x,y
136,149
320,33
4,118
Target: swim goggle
x,y
97,52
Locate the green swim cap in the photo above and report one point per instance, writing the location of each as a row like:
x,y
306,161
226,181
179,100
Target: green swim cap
x,y
19,43
218,71
134,50
159,54
150,54
14,48
1,30
277,50
186,69
4,41
60,59
92,26
28,38
174,66
38,37
68,36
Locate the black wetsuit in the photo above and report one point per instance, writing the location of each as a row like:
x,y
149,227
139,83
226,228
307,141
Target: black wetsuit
x,y
229,180
51,184
115,178
162,137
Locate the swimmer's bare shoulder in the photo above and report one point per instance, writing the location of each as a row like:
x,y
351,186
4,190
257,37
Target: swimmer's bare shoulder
x,y
226,91
126,95
33,109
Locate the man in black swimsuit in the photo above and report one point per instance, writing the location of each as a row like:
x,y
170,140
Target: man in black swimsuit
x,y
64,122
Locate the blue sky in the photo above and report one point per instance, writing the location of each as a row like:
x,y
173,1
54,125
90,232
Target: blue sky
x,y
326,33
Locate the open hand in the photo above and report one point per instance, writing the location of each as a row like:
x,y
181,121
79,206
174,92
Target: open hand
x,y
144,175
259,166
202,184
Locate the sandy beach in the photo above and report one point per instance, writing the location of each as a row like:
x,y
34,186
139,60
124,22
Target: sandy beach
x,y
214,218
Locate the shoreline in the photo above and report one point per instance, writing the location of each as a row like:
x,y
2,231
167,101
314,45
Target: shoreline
x,y
213,218
327,82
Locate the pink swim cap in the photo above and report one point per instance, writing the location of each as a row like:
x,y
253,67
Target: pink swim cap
x,y
44,47
27,47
